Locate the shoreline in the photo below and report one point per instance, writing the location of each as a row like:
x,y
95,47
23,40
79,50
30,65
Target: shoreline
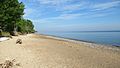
x,y
43,51
116,45
87,43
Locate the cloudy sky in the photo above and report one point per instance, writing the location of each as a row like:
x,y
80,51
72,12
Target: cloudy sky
x,y
73,15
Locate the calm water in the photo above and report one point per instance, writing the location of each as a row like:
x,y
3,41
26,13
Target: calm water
x,y
112,38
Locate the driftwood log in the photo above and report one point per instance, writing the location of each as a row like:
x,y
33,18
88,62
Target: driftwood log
x,y
19,41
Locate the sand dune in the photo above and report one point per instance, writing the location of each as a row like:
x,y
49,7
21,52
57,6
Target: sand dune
x,y
38,51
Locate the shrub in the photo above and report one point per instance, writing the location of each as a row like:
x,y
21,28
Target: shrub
x,y
6,34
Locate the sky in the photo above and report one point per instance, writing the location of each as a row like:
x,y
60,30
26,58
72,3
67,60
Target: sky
x,y
73,15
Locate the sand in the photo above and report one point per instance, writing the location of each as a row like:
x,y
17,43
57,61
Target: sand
x,y
39,51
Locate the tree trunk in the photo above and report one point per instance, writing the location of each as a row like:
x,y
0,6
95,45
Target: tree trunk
x,y
14,32
0,32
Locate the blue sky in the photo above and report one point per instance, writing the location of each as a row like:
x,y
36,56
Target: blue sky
x,y
73,15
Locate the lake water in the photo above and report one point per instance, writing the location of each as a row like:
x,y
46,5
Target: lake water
x,y
112,38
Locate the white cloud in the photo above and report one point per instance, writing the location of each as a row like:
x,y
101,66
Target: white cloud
x,y
66,11
53,2
66,16
69,16
63,5
107,5
40,21
73,7
28,11
61,17
96,15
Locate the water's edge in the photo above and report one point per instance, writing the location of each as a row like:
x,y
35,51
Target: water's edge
x,y
87,43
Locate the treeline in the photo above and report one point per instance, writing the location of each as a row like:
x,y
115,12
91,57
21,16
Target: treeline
x,y
11,18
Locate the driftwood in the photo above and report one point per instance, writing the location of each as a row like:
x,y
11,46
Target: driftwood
x,y
19,41
9,64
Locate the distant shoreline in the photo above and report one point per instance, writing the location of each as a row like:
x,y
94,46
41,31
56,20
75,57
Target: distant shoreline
x,y
98,31
80,40
89,43
110,38
87,31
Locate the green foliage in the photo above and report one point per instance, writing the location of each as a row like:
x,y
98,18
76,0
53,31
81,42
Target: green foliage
x,y
11,12
25,26
5,34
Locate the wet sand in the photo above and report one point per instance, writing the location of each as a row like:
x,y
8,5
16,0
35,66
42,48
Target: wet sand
x,y
39,51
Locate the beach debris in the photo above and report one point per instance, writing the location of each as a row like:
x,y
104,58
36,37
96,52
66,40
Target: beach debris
x,y
19,41
3,39
9,64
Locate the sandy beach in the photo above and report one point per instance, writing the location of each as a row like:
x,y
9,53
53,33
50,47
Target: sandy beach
x,y
39,51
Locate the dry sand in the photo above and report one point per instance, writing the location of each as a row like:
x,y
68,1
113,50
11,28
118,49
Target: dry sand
x,y
46,52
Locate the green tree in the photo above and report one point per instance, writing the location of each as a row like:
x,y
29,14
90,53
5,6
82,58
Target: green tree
x,y
11,17
11,12
3,16
25,26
